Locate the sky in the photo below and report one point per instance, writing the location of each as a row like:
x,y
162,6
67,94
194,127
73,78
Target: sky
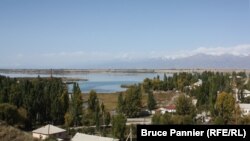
x,y
86,33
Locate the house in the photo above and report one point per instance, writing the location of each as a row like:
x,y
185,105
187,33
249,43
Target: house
x,y
195,85
49,130
159,110
171,108
236,76
163,110
204,117
194,102
245,93
245,108
86,137
198,83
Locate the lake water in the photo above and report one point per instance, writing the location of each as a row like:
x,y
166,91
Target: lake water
x,y
100,82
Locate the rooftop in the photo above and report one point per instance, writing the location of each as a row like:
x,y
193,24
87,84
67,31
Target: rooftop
x,y
48,130
85,137
244,106
171,107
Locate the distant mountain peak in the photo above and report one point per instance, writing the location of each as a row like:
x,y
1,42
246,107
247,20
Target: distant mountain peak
x,y
200,60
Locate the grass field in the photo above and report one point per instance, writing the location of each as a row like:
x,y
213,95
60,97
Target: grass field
x,y
110,99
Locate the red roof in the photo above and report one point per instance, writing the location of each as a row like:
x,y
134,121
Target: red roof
x,y
170,107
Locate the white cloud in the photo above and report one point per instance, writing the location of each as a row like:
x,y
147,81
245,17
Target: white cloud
x,y
239,50
96,56
88,58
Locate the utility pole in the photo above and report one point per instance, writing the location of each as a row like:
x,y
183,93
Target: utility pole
x,y
130,135
51,73
48,129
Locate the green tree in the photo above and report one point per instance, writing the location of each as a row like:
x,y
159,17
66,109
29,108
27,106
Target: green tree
x,y
97,115
182,119
156,119
94,109
76,105
245,120
133,101
107,118
147,85
103,112
68,119
92,101
151,101
9,113
119,126
184,106
166,118
64,100
22,116
42,99
156,83
225,105
120,104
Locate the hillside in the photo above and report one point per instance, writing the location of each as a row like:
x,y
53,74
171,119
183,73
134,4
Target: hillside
x,y
9,133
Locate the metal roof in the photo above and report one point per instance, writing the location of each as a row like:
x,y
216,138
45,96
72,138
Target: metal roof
x,y
244,106
48,130
86,137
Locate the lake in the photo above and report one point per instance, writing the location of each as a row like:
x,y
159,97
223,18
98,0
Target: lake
x,y
100,82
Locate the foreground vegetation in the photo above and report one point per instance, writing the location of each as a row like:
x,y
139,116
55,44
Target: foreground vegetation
x,y
9,133
29,103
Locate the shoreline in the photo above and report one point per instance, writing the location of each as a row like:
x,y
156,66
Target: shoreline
x,y
86,71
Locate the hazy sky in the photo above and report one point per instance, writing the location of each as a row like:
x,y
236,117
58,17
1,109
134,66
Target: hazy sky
x,y
79,33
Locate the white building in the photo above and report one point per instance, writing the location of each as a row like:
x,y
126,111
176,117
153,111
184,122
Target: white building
x,y
194,102
171,108
198,83
245,108
86,137
245,93
204,116
163,110
49,130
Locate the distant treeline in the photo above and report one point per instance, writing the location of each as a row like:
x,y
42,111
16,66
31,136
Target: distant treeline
x,y
75,71
82,71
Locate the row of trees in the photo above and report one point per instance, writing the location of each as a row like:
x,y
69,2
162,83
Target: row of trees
x,y
130,105
174,82
37,100
94,115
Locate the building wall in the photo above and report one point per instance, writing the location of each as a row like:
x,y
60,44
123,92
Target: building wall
x,y
171,110
39,136
61,135
245,111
